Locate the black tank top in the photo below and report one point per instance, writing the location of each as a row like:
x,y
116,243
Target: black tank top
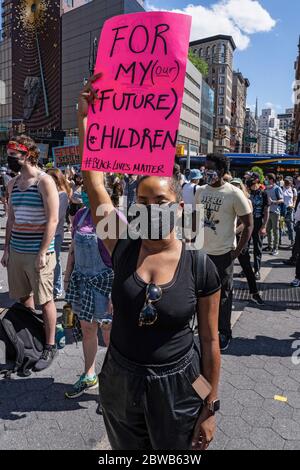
x,y
170,337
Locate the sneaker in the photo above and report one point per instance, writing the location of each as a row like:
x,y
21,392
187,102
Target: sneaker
x,y
275,253
296,283
83,384
256,298
224,341
257,276
58,295
46,358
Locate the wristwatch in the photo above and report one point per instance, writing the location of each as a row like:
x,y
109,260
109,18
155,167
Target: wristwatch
x,y
213,406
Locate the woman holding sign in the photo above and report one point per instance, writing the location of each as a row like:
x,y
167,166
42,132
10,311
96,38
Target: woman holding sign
x,y
158,288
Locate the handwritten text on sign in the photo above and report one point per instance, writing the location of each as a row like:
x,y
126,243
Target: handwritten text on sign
x,y
133,126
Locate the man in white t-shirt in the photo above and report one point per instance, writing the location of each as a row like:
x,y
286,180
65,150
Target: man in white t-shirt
x,y
223,203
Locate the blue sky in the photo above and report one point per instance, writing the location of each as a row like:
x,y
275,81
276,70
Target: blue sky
x,y
267,32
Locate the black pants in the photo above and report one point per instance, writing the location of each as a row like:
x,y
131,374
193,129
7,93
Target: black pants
x,y
296,247
224,265
298,268
257,244
149,407
245,262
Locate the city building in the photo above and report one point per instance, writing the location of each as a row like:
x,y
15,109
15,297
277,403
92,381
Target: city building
x,y
238,111
296,137
218,51
250,140
287,123
68,5
79,48
207,119
272,139
30,67
189,127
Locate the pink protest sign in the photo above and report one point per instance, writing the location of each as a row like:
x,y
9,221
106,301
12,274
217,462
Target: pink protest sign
x,y
133,126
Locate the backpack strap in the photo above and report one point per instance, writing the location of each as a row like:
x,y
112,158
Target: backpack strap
x,y
199,268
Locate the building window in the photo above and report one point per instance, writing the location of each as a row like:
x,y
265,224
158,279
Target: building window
x,y
190,110
222,90
221,120
213,70
200,52
70,3
221,111
222,80
221,101
191,95
190,125
222,69
223,54
2,93
208,51
193,81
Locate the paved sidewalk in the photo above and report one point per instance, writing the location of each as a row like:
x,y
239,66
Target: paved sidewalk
x,y
257,366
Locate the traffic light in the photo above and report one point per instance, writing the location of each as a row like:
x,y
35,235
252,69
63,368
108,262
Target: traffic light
x,y
223,133
218,133
180,150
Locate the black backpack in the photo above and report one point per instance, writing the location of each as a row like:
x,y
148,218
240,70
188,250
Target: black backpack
x,y
23,336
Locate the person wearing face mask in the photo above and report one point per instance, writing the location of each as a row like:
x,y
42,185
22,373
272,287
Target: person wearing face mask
x,y
76,199
88,281
29,245
146,392
289,198
261,207
223,204
275,196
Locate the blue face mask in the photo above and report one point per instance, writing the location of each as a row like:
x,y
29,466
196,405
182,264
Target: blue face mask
x,y
85,199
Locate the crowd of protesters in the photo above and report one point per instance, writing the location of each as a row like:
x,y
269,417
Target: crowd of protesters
x,y
143,293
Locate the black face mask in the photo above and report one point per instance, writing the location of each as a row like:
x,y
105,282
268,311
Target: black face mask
x,y
161,221
14,164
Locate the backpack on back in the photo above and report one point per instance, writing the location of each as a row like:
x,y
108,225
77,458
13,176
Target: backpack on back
x,y
23,335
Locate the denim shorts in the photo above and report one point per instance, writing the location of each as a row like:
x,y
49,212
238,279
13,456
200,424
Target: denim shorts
x,y
101,308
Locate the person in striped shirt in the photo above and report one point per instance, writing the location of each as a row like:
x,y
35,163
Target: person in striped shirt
x,y
29,253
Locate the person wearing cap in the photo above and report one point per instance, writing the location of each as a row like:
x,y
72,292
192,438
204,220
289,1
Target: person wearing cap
x,y
289,201
29,253
260,204
275,196
189,189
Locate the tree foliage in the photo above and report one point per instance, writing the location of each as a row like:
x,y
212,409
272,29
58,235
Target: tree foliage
x,y
199,63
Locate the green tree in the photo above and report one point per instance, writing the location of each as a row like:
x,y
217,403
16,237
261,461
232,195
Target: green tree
x,y
257,169
199,63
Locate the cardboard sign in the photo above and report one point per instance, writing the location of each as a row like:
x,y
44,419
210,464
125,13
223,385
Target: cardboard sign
x,y
65,156
133,127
